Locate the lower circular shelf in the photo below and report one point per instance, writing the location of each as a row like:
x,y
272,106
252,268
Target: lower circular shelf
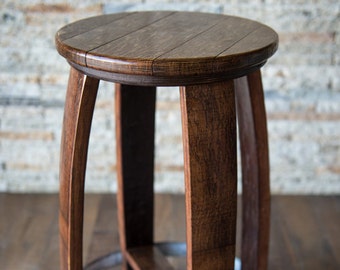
x,y
172,249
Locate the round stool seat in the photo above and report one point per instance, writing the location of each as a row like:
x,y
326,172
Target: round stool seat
x,y
166,48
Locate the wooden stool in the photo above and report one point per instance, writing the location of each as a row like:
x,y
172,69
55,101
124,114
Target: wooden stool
x,y
216,60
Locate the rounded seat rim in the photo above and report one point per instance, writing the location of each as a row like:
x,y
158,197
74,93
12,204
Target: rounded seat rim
x,y
166,71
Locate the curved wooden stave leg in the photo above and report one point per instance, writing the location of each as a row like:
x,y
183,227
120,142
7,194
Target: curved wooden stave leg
x,y
209,142
79,106
135,127
252,123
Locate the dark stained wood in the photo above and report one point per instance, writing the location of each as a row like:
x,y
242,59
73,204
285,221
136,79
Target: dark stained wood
x,y
330,241
302,235
103,236
304,222
143,80
28,230
278,248
98,220
153,41
163,47
121,26
251,116
135,125
92,210
167,229
290,246
81,96
204,53
209,142
88,24
147,257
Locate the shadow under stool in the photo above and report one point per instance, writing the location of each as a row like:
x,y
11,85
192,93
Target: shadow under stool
x,y
216,61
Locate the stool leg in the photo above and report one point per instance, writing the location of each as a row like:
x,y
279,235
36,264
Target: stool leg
x,y
255,171
80,101
209,140
135,127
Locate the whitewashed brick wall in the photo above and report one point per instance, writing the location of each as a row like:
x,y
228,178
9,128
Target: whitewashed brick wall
x,y
301,83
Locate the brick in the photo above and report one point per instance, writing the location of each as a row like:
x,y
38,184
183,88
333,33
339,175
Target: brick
x,y
169,182
305,49
301,2
300,80
301,85
302,18
35,135
43,8
252,11
148,5
168,95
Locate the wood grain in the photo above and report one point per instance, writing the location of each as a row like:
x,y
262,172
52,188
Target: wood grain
x,y
167,45
305,230
135,125
98,220
147,257
204,53
251,116
79,106
209,142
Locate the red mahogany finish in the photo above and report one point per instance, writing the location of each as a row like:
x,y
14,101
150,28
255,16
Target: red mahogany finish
x,y
216,61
